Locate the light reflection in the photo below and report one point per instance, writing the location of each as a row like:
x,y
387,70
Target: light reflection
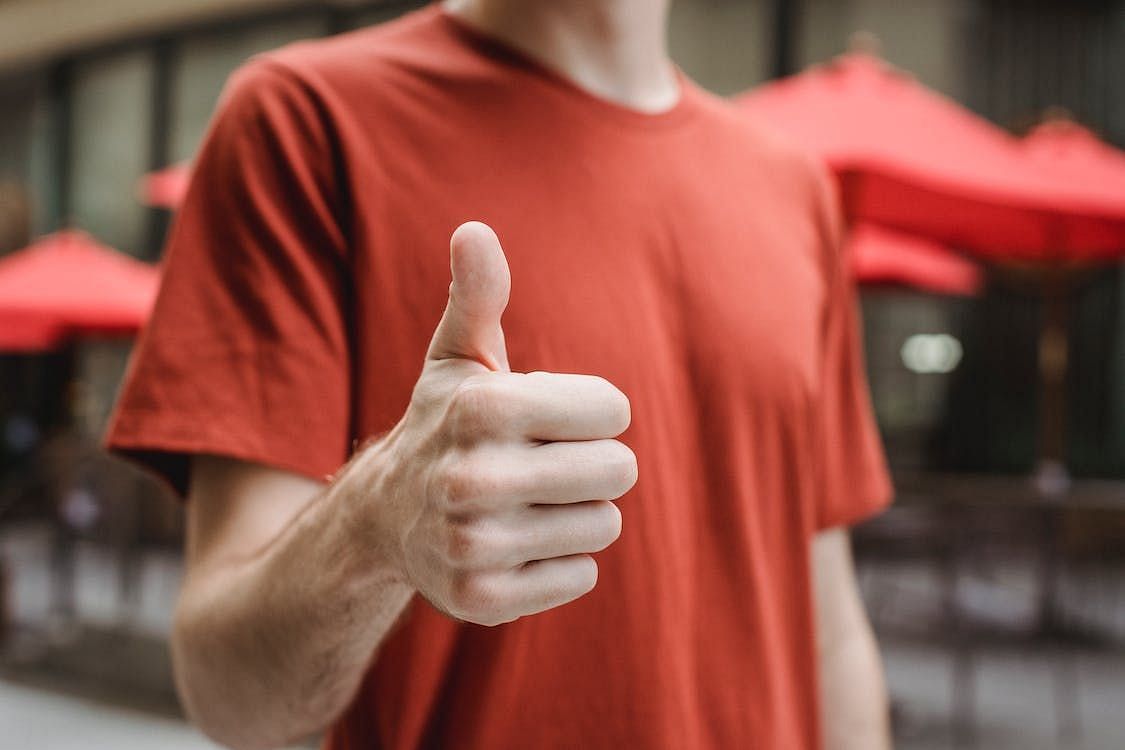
x,y
930,353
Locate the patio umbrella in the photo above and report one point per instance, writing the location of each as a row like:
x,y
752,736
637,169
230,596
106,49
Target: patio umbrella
x,y
67,285
167,187
1071,152
910,158
881,256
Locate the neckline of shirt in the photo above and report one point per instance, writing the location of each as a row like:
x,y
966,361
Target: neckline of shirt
x,y
604,109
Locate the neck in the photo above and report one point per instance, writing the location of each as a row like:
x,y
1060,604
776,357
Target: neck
x,y
614,49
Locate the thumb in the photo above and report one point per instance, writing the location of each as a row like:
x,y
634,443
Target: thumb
x,y
470,327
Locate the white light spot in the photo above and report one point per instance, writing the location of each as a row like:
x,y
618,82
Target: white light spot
x,y
930,353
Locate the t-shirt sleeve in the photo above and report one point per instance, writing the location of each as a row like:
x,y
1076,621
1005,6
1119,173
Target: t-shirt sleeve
x,y
246,354
854,481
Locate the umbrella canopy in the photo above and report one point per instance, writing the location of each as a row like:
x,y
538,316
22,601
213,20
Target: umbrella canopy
x,y
166,188
910,158
881,256
68,285
1074,153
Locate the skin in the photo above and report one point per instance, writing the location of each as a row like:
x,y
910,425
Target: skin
x,y
487,498
616,49
853,696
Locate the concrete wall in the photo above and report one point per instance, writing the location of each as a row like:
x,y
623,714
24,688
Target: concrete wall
x,y
32,30
724,44
926,37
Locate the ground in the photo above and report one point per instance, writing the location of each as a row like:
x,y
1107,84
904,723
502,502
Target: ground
x,y
100,677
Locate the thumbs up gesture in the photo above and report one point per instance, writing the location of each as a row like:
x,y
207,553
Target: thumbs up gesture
x,y
494,488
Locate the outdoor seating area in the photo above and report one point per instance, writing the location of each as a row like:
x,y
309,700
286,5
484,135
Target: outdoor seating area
x,y
991,638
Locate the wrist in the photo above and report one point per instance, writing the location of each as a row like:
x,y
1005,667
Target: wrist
x,y
359,500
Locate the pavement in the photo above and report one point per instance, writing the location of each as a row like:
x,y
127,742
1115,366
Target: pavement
x,y
97,675
1024,698
34,717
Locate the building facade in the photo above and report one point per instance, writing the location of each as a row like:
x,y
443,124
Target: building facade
x,y
95,95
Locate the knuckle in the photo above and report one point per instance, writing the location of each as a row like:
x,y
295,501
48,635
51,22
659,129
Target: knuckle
x,y
463,588
467,544
475,479
475,408
462,484
474,599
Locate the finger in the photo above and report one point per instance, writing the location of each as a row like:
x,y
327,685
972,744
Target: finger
x,y
540,406
545,584
478,295
571,407
541,532
537,532
502,477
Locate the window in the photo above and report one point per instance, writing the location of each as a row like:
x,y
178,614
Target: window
x,y
205,62
23,163
111,130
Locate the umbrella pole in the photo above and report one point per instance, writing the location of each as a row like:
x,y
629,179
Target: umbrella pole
x,y
1052,476
63,540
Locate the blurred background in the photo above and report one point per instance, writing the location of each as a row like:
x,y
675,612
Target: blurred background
x,y
996,583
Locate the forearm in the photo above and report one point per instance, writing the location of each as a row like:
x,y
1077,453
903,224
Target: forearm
x,y
271,648
853,696
487,471
854,708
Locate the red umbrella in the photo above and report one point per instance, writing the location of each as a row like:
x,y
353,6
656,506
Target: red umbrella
x,y
1073,153
912,159
879,256
167,187
67,285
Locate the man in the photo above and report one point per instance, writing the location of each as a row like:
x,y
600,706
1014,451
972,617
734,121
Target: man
x,y
439,589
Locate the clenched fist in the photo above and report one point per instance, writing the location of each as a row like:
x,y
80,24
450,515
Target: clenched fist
x,y
494,488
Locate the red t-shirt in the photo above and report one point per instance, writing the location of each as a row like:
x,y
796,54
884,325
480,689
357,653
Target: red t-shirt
x,y
690,257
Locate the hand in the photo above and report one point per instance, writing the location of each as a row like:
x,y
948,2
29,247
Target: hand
x,y
495,487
